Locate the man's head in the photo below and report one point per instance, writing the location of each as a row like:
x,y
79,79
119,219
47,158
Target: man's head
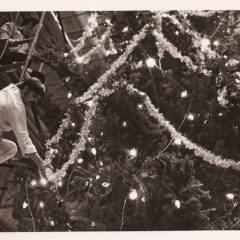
x,y
29,27
32,89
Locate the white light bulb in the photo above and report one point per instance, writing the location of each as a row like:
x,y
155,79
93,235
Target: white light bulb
x,y
105,184
230,196
140,106
143,199
101,163
184,94
133,194
33,183
125,29
93,224
94,151
101,134
65,54
177,204
80,160
69,95
150,62
60,183
25,204
52,223
73,124
216,43
67,79
97,177
133,152
43,182
190,117
41,204
220,114
124,124
177,141
225,56
177,32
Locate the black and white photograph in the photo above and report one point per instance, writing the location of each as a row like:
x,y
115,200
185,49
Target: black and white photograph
x,y
117,120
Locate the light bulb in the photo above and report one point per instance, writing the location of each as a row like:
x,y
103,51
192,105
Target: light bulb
x,y
133,194
80,160
43,182
125,29
97,177
150,62
140,106
73,124
143,199
60,183
216,43
25,204
41,204
184,94
69,95
67,79
133,152
33,183
177,204
52,223
94,151
230,196
105,184
177,32
124,124
190,117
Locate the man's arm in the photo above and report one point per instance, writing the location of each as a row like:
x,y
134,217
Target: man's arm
x,y
18,121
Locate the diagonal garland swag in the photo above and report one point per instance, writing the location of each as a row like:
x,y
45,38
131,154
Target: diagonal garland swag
x,y
95,93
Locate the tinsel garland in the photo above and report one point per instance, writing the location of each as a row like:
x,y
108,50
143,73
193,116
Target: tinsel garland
x,y
84,59
198,150
94,88
80,145
88,29
164,45
196,38
200,13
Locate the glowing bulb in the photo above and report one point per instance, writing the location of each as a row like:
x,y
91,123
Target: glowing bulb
x,y
65,54
80,160
101,163
101,134
230,196
151,62
177,141
220,114
139,64
52,223
89,103
97,177
237,81
184,94
41,204
125,29
105,184
140,106
67,79
93,224
73,124
43,182
133,194
33,183
177,204
133,152
216,43
94,151
124,124
69,95
60,183
225,56
190,117
177,32
25,204
143,199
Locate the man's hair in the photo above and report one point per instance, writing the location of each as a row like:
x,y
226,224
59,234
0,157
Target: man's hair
x,y
34,84
31,20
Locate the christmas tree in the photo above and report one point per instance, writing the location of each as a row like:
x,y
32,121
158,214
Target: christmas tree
x,y
150,139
